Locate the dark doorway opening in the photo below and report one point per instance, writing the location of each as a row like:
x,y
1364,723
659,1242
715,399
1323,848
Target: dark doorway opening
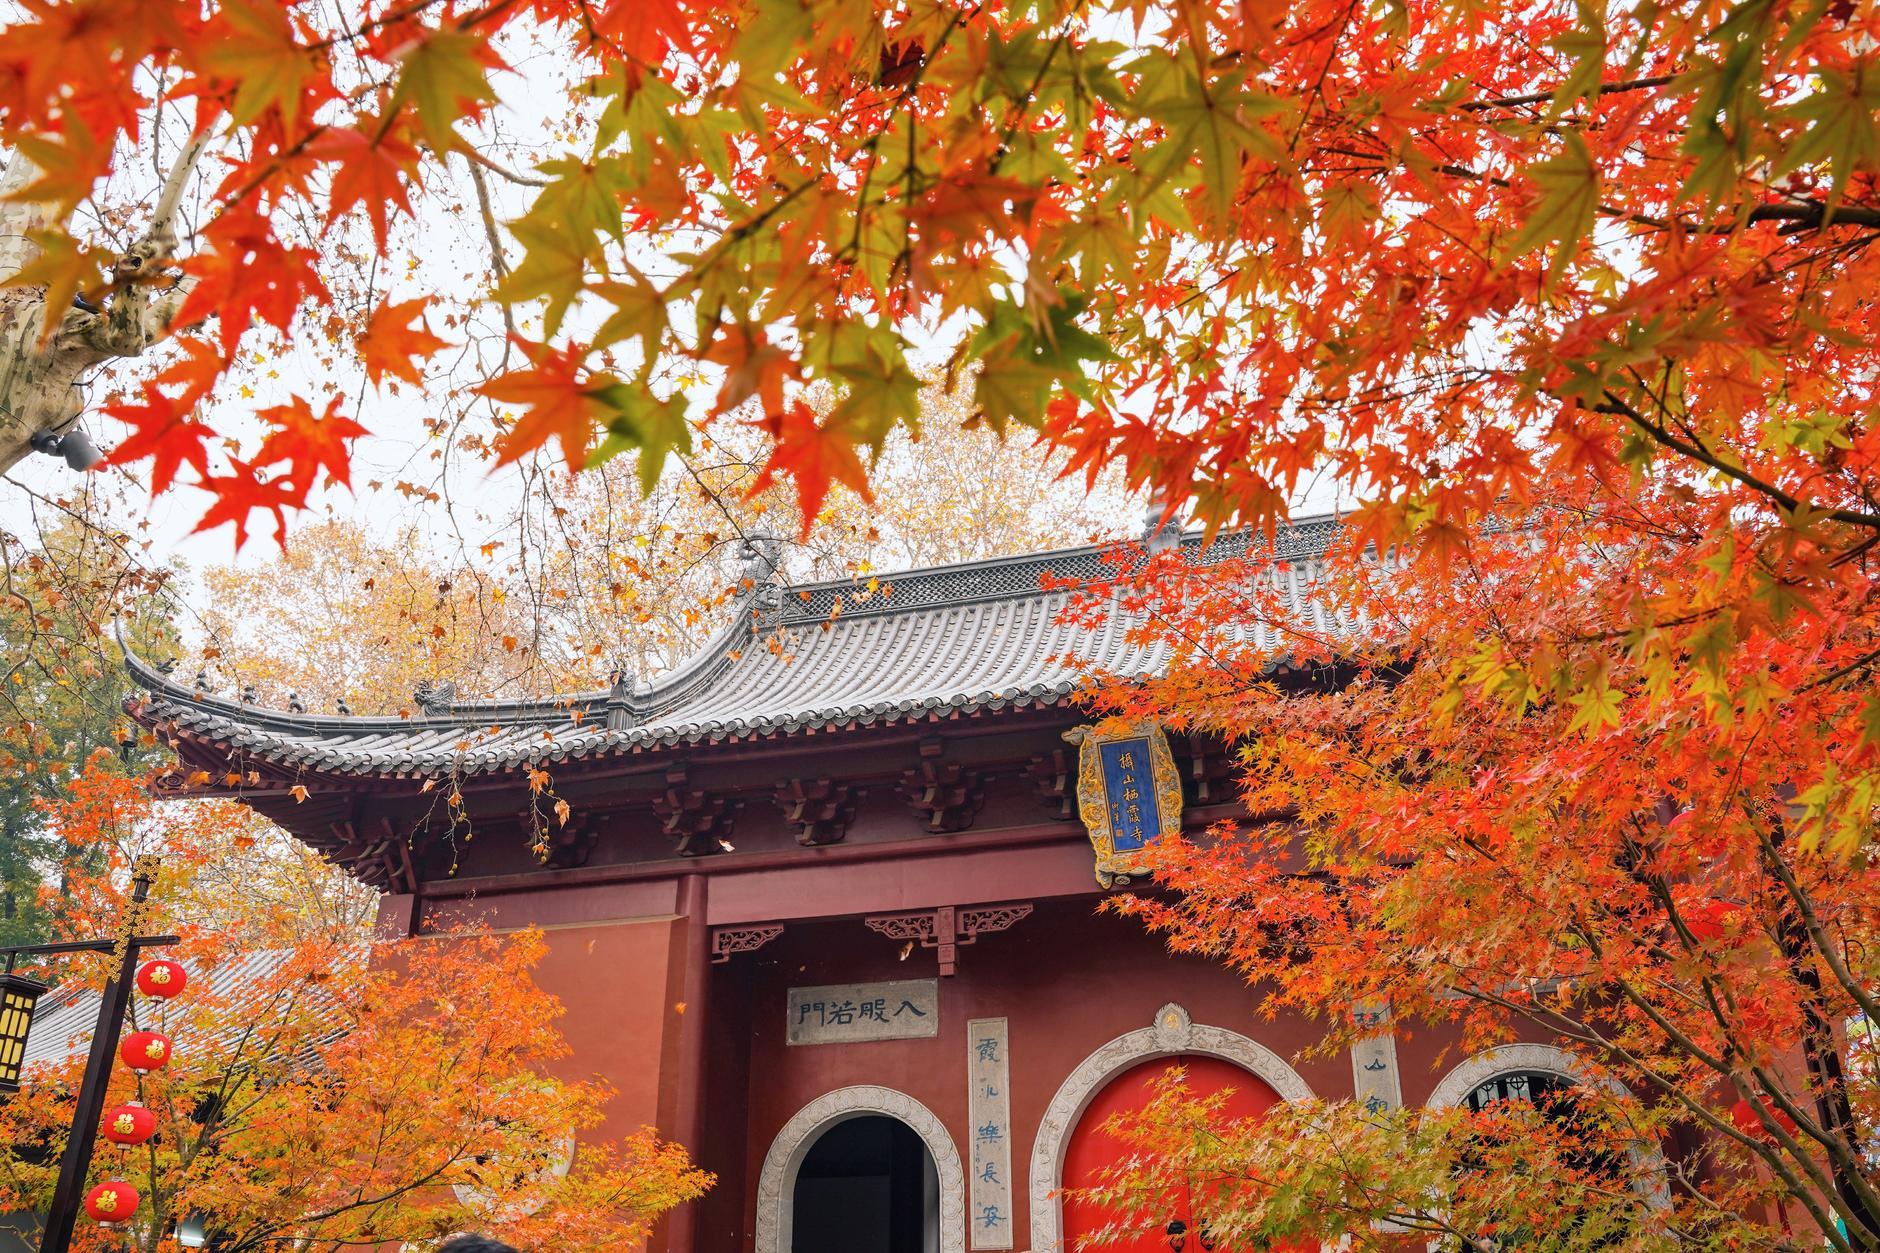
x,y
867,1185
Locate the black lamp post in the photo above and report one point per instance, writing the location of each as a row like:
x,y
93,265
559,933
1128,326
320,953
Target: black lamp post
x,y
62,1214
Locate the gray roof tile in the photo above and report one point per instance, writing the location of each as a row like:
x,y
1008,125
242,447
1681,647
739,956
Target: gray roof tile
x,y
952,638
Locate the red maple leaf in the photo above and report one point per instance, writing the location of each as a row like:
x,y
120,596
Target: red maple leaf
x,y
238,495
165,434
395,335
811,456
308,443
368,170
561,405
644,29
248,273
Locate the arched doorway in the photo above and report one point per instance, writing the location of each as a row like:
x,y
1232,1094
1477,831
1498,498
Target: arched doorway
x,y
1090,1149
776,1184
1171,1034
866,1185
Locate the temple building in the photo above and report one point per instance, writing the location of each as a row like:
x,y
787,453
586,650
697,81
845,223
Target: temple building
x,y
824,904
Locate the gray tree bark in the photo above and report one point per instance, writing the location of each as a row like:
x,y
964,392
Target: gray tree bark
x,y
41,387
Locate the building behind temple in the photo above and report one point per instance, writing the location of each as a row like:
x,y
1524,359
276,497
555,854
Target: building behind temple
x,y
824,907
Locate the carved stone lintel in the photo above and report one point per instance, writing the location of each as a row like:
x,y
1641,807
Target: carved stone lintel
x,y
1054,774
699,820
946,928
729,940
946,794
819,809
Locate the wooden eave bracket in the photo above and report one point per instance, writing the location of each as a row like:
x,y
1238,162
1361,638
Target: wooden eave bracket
x,y
699,820
946,794
820,810
948,927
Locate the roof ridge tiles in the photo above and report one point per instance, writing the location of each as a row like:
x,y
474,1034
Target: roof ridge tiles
x,y
885,659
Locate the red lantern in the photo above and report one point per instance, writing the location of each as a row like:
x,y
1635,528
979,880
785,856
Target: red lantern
x,y
145,1050
111,1202
129,1124
162,978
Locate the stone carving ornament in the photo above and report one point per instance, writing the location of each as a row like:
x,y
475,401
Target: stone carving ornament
x,y
777,1184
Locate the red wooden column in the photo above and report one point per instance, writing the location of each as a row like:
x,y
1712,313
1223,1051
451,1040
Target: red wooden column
x,y
688,1073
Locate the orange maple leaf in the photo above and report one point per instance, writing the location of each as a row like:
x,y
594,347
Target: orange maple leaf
x,y
644,29
196,370
813,457
368,170
307,443
753,367
561,405
395,336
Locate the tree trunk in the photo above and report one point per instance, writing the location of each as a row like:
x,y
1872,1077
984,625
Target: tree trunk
x,y
40,390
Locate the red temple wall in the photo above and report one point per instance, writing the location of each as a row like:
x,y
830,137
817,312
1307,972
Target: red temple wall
x,y
1067,981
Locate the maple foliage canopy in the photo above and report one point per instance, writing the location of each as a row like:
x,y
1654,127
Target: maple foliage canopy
x,y
1576,300
1434,248
325,1091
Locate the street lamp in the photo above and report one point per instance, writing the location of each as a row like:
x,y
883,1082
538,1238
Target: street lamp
x,y
18,996
192,1232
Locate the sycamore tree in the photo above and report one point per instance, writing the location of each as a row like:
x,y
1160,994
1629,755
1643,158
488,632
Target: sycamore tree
x,y
326,1093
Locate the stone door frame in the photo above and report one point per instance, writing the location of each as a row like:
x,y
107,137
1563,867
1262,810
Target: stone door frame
x,y
1172,1033
776,1186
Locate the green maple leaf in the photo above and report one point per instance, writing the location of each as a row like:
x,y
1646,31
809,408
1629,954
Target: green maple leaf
x,y
554,267
1207,125
642,421
1012,388
584,194
1841,128
882,394
1569,187
639,313
444,77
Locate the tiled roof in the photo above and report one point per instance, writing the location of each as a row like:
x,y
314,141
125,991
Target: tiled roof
x,y
978,635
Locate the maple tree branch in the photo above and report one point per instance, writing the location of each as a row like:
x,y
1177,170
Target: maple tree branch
x,y
1811,922
1542,97
501,171
1616,405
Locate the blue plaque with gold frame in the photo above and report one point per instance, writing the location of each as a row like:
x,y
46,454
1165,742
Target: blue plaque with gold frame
x,y
1128,795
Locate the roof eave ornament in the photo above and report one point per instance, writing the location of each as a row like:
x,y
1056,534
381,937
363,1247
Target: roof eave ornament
x,y
620,702
761,573
435,697
1161,524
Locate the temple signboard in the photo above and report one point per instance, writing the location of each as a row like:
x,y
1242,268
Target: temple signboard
x,y
848,1013
1128,795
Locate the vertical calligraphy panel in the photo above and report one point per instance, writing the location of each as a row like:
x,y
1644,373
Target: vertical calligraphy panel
x,y
989,1111
1374,1059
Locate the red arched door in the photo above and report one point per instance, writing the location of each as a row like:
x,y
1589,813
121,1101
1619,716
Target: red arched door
x,y
1091,1149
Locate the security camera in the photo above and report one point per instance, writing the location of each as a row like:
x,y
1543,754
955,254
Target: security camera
x,y
75,446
